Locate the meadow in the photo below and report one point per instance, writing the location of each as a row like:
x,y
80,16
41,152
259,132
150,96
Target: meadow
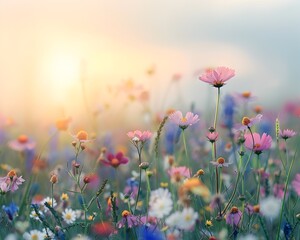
x,y
229,172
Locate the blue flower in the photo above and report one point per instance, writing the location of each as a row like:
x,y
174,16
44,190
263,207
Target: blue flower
x,y
228,111
11,210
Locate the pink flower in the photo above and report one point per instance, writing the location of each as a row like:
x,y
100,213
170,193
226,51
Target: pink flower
x,y
278,190
260,143
296,184
233,218
184,122
130,220
248,122
22,143
287,133
212,136
177,174
138,135
10,182
218,76
115,160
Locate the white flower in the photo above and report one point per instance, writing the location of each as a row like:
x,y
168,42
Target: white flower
x,y
173,219
160,203
187,219
33,235
270,207
49,201
69,216
35,216
11,236
80,237
47,233
248,237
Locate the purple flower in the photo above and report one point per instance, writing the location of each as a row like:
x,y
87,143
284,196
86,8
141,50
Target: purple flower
x,y
128,220
10,182
233,218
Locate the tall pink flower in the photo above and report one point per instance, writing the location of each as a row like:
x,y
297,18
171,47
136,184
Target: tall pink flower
x,y
218,76
184,122
115,160
287,133
260,143
138,135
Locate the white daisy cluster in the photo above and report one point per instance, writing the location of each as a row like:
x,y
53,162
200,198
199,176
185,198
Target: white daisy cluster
x,y
160,203
184,220
33,235
69,216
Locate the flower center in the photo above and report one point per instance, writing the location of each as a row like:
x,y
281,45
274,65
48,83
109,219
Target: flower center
x,y
184,119
82,135
234,210
115,162
188,218
125,213
221,160
246,94
68,216
23,139
246,121
11,173
34,237
256,145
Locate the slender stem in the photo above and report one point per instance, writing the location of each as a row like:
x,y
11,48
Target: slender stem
x,y
258,178
185,149
217,109
285,189
217,180
140,178
52,186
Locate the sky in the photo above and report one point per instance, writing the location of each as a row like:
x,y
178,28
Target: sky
x,y
45,44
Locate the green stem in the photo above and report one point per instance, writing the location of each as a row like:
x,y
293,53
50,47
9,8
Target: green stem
x,y
258,178
217,110
285,189
140,178
185,149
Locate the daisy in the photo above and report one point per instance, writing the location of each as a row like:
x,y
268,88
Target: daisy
x,y
69,216
220,162
33,235
174,219
34,216
188,219
218,76
160,203
22,143
260,143
48,233
49,201
270,207
183,122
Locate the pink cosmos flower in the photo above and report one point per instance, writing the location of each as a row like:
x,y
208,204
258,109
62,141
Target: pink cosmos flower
x,y
287,133
218,76
177,174
233,218
138,135
10,182
248,122
115,160
22,143
296,184
260,143
212,136
184,122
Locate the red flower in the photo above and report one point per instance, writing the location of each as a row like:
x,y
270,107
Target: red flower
x,y
103,229
115,160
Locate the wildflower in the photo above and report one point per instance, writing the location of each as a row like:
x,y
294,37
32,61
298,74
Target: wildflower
x,y
34,216
53,178
81,137
49,201
115,160
296,184
130,220
22,143
195,186
63,124
234,216
11,210
208,223
260,143
229,109
33,235
48,233
177,174
287,133
69,216
103,229
249,122
188,219
270,207
139,136
218,76
212,136
220,162
64,197
160,203
11,182
184,122
278,190
173,219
